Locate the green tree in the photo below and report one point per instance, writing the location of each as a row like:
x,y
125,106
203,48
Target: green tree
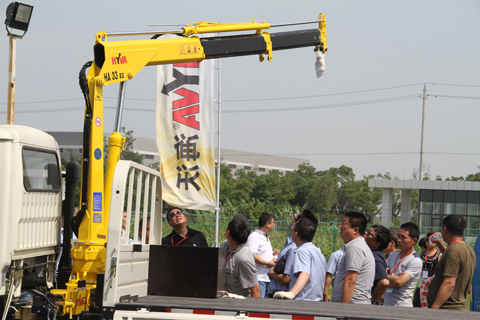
x,y
127,153
302,181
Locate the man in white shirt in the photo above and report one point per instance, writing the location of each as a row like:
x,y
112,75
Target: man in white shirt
x,y
261,248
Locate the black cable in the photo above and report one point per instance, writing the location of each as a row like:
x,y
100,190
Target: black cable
x,y
323,95
455,97
75,223
327,106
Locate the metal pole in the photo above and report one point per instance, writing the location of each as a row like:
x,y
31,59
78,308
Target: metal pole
x,y
219,102
423,131
121,98
11,79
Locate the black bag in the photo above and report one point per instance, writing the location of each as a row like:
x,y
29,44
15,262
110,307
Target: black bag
x,y
416,298
280,266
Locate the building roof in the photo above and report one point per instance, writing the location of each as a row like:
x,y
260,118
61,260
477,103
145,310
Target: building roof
x,y
425,184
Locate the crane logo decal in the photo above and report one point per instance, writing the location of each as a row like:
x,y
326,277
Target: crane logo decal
x,y
185,108
119,60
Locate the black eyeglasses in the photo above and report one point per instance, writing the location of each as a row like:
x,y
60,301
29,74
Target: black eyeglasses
x,y
173,214
371,235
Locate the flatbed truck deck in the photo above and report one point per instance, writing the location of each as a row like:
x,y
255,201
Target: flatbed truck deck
x,y
277,309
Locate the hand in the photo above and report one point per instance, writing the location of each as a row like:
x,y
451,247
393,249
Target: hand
x,y
271,264
276,251
270,273
326,298
284,295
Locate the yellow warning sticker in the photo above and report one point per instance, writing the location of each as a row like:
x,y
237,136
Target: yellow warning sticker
x,y
188,49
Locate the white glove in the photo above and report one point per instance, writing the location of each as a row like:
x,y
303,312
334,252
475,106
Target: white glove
x,y
225,294
284,295
320,63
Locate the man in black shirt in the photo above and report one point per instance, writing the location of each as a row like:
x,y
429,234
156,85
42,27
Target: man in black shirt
x,y
378,238
181,234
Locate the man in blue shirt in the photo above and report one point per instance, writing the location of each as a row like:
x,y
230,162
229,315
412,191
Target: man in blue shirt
x,y
279,279
307,274
332,267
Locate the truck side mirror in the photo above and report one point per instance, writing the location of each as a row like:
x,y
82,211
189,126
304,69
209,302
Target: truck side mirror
x,y
53,176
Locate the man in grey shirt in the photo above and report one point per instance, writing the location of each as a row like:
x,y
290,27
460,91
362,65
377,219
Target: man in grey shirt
x,y
241,272
356,271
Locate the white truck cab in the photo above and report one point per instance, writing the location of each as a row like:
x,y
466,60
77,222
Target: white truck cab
x,y
30,208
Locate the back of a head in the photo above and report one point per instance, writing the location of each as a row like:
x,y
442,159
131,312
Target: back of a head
x,y
307,213
412,228
239,228
455,224
264,218
357,219
305,229
422,243
394,238
383,236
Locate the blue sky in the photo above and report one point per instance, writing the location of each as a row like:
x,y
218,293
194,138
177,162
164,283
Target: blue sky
x,y
373,45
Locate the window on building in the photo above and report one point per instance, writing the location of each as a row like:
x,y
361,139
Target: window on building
x,y
247,167
261,169
61,150
148,156
80,151
232,166
436,204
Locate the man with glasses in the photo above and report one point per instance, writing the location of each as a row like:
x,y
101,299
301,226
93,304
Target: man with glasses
x,y
378,238
181,234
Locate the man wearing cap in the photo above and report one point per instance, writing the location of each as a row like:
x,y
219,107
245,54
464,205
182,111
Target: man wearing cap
x,y
181,234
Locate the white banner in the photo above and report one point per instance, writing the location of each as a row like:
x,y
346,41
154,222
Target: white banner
x,y
185,128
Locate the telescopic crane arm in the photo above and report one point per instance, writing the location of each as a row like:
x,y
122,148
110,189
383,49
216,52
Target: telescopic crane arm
x,y
117,62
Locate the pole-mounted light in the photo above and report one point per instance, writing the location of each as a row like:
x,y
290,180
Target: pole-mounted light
x,y
18,16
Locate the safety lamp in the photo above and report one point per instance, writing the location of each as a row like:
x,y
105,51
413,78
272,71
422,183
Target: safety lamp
x,y
18,16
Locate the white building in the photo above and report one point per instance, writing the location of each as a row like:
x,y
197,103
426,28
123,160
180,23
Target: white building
x,y
71,143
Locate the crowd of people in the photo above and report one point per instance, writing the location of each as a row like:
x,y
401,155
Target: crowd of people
x,y
375,266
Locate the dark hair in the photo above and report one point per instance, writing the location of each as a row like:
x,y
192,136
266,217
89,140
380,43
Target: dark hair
x,y
455,224
64,206
305,229
357,219
430,233
307,213
412,229
140,224
239,228
124,209
394,238
264,218
383,236
422,243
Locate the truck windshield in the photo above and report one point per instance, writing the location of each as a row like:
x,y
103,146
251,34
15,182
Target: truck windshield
x,y
40,170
